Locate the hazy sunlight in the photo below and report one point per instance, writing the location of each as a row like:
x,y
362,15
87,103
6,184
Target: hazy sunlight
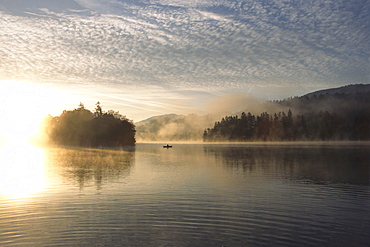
x,y
23,106
21,171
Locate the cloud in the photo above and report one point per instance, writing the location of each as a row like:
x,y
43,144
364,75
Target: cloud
x,y
174,44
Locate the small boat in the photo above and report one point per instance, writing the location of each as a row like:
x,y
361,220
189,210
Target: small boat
x,y
167,146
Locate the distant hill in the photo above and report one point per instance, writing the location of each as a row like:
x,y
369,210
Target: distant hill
x,y
329,115
173,127
349,89
159,118
348,102
344,101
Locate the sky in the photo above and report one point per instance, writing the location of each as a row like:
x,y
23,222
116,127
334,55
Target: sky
x,y
152,57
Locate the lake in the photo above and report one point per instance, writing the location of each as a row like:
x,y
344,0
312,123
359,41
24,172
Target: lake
x,y
187,195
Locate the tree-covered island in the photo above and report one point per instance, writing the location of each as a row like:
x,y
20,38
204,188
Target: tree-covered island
x,y
81,127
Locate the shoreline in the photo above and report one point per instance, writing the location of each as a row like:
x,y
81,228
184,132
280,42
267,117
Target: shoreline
x,y
289,143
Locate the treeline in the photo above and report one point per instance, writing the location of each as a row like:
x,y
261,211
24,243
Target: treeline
x,y
286,127
81,127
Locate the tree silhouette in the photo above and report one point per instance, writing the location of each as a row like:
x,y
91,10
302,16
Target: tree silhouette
x,y
285,127
80,127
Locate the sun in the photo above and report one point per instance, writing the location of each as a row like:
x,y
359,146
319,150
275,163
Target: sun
x,y
23,105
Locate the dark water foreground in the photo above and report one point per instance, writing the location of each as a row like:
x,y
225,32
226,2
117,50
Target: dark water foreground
x,y
189,195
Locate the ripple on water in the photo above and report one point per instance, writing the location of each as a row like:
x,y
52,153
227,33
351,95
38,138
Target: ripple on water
x,y
175,206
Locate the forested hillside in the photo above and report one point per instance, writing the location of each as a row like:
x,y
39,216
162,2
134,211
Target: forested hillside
x,y
173,127
330,114
324,117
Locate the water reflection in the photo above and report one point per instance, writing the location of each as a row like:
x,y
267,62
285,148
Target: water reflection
x,y
22,171
192,195
315,164
86,166
26,171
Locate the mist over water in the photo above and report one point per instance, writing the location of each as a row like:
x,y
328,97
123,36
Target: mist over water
x,y
190,195
342,114
190,127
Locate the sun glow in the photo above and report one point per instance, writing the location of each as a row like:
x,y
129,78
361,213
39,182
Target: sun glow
x,y
23,105
22,172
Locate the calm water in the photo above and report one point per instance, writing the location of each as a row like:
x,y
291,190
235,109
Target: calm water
x,y
189,195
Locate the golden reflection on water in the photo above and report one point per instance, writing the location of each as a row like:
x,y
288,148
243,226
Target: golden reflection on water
x,y
27,171
88,166
22,171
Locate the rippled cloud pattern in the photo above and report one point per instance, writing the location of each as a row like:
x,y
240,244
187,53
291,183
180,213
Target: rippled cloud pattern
x,y
202,44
